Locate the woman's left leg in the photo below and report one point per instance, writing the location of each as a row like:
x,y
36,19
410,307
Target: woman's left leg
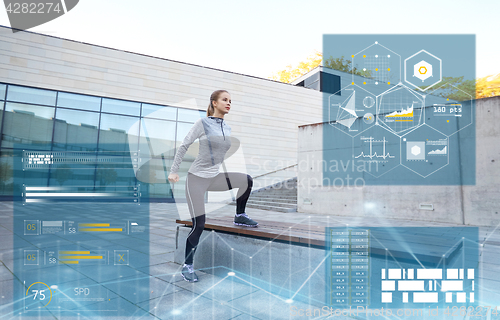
x,y
244,183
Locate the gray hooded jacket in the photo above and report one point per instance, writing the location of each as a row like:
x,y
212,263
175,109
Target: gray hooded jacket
x,y
214,134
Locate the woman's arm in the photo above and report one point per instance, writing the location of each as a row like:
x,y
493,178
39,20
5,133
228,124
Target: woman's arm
x,y
196,131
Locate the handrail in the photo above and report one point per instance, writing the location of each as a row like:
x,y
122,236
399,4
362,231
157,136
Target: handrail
x,y
265,174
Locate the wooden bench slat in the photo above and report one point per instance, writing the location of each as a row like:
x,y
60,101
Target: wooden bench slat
x,y
315,235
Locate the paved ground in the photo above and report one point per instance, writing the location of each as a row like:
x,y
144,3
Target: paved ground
x,y
224,298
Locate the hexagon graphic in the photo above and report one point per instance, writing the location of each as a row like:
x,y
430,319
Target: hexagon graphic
x,y
449,116
378,149
424,150
347,111
423,70
379,67
415,150
400,109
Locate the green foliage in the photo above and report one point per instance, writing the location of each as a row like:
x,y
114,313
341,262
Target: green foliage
x,y
345,65
455,88
291,73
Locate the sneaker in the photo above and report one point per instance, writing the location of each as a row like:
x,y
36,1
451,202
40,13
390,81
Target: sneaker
x,y
188,273
244,220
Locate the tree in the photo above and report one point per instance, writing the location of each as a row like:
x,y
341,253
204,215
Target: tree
x,y
106,174
345,65
316,59
488,86
289,73
62,173
455,88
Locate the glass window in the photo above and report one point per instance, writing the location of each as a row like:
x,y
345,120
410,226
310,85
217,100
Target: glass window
x,y
31,95
119,133
2,91
121,106
313,78
7,172
27,124
2,103
157,150
188,115
182,131
75,130
78,101
159,112
73,175
158,136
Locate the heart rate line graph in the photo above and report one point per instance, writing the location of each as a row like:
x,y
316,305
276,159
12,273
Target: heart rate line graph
x,y
372,154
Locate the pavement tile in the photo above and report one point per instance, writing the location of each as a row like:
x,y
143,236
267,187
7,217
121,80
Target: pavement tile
x,y
217,288
264,305
187,305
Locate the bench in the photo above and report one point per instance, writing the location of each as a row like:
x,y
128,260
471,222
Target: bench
x,y
290,260
297,234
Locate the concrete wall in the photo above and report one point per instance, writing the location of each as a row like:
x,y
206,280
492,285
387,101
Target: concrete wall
x,y
470,205
481,203
264,116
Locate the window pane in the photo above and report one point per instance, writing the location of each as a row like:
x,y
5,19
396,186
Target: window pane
x,y
27,124
311,79
7,172
188,115
30,95
2,103
158,136
182,131
191,154
314,85
78,101
75,130
72,175
118,133
157,149
121,106
2,91
159,112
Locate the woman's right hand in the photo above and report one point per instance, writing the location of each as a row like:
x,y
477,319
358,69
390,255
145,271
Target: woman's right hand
x,y
173,177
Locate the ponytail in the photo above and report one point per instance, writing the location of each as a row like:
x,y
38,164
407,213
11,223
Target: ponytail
x,y
210,109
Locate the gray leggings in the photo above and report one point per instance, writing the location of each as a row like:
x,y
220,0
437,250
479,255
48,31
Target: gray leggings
x,y
195,196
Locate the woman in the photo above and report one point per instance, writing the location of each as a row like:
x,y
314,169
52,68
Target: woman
x,y
204,175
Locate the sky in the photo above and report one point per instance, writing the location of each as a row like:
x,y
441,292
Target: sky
x,y
261,37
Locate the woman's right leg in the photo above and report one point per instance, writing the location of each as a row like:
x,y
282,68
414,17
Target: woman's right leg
x,y
195,196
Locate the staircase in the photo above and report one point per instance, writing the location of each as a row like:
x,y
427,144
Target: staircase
x,y
280,197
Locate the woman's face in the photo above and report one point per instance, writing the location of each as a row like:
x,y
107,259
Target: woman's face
x,y
223,103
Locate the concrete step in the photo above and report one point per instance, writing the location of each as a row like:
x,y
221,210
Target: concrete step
x,y
284,192
280,197
280,188
270,203
273,196
285,201
272,208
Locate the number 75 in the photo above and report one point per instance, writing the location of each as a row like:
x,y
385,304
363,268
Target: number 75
x,y
38,292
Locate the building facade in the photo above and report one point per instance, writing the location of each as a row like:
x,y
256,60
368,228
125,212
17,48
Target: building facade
x,y
65,93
